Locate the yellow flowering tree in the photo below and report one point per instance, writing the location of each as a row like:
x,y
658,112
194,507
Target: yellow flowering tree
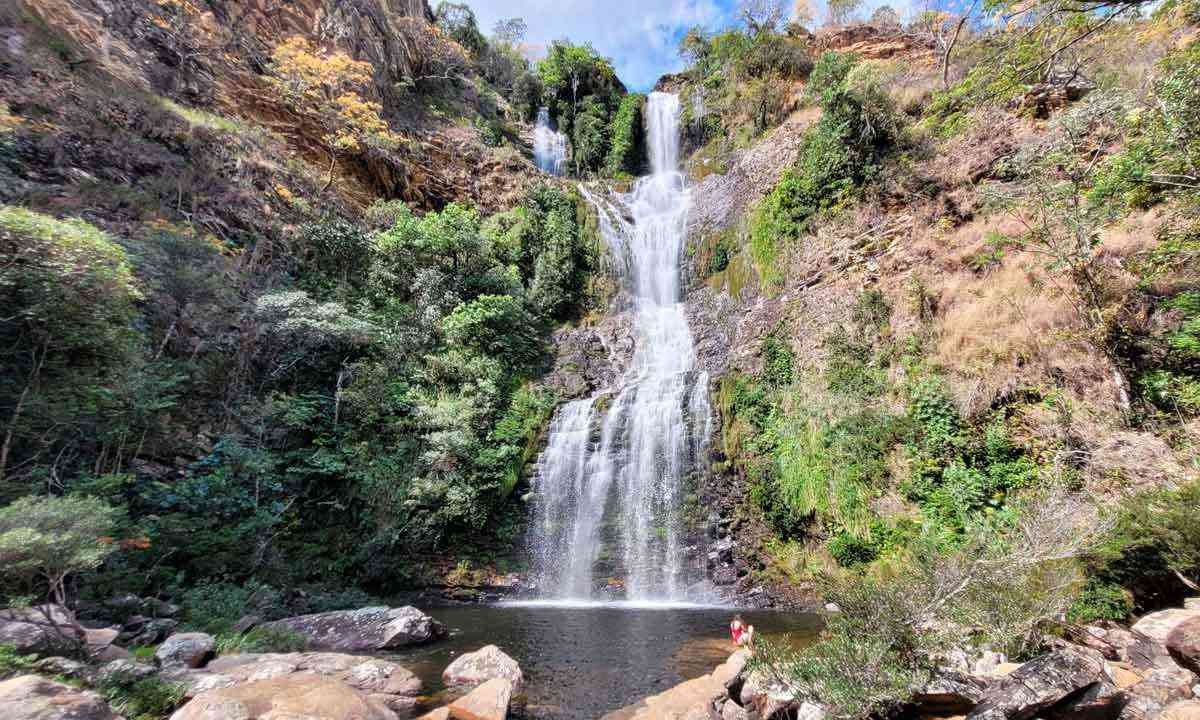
x,y
328,86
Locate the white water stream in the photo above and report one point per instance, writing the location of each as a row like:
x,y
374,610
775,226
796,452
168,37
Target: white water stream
x,y
549,147
609,485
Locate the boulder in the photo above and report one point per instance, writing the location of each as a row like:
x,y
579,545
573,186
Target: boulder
x,y
126,670
1123,675
1183,710
29,630
1041,684
65,667
1192,603
489,701
732,711
1183,644
382,680
141,630
30,697
185,650
364,630
1163,687
102,647
950,693
1158,625
482,665
301,695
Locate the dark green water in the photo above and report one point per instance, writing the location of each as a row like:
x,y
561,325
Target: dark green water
x,y
583,661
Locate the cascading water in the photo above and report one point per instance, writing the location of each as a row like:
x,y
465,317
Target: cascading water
x,y
549,147
609,485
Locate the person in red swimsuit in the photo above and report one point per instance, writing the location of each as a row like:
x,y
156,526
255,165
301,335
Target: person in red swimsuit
x,y
742,634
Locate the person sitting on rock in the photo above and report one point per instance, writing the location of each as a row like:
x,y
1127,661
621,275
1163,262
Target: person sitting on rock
x,y
742,634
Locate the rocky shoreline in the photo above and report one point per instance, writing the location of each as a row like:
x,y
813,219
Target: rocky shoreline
x,y
1103,670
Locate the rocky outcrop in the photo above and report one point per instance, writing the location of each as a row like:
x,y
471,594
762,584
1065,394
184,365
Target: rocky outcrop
x,y
1183,643
1158,625
382,680
489,701
47,630
876,42
189,650
363,630
696,698
1042,684
301,695
482,665
30,697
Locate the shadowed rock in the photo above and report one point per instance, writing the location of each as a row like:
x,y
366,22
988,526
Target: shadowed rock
x,y
363,630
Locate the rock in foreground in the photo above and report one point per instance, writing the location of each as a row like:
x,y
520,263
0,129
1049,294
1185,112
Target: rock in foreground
x,y
382,680
302,696
364,630
489,701
30,697
482,665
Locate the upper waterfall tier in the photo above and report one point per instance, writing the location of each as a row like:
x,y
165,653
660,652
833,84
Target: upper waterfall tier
x,y
611,480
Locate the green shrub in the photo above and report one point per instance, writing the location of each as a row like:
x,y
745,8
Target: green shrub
x,y
1101,601
12,664
850,551
839,153
150,698
261,640
214,607
626,153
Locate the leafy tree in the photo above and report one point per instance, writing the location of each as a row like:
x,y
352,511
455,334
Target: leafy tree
x,y
569,74
328,87
45,540
626,152
589,142
70,296
842,11
458,21
885,15
510,31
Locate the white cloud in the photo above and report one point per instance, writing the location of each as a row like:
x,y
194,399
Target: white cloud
x,y
641,36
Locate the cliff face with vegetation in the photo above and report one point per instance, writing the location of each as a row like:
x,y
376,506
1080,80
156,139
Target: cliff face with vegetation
x,y
288,309
945,281
279,276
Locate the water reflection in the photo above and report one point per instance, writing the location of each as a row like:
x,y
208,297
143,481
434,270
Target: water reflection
x,y
581,662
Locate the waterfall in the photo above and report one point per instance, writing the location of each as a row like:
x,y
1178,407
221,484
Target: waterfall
x,y
609,485
549,147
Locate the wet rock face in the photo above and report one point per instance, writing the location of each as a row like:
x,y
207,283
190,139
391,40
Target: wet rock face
x,y
363,630
592,358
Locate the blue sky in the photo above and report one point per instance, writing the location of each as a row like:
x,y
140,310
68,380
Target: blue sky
x,y
641,36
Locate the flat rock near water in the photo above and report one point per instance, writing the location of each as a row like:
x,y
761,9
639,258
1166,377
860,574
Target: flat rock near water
x,y
678,701
364,630
380,680
302,695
